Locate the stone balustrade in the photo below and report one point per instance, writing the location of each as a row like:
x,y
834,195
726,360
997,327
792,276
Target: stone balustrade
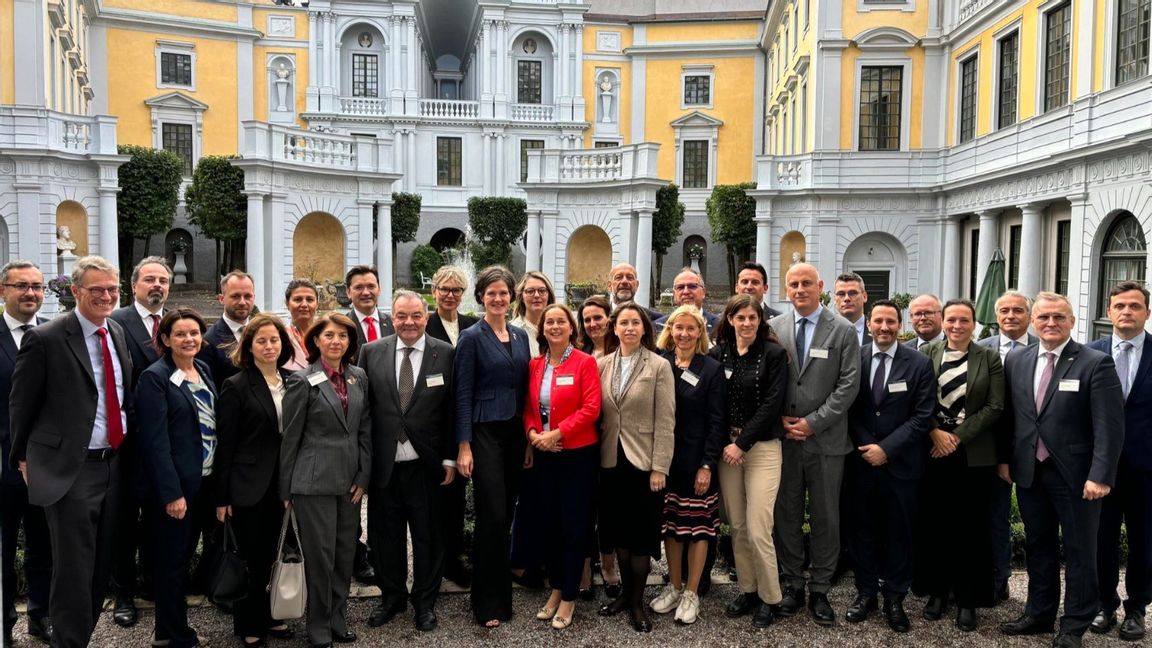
x,y
263,141
375,106
39,129
565,166
449,109
532,112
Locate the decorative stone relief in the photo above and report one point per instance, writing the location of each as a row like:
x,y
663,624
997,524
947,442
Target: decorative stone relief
x,y
608,41
282,26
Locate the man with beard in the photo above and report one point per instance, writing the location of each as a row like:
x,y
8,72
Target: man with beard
x,y
688,288
238,296
150,282
622,284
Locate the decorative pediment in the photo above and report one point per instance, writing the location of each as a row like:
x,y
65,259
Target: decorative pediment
x,y
696,118
885,38
176,101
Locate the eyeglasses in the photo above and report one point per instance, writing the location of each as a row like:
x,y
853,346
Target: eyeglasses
x,y
455,292
101,291
532,292
924,314
1058,318
687,286
25,287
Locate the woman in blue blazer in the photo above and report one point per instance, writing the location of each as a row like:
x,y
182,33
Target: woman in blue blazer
x,y
175,406
491,380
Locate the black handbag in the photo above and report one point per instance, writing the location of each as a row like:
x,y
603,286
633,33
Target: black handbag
x,y
230,573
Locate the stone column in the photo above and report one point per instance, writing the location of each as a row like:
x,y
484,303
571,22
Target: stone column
x,y
411,92
644,255
532,256
1030,246
395,89
548,253
364,228
578,86
109,242
410,151
764,233
274,265
254,249
562,72
28,220
1079,292
487,164
950,278
988,242
384,253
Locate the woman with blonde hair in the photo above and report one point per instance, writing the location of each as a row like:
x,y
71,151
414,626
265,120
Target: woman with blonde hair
x,y
533,293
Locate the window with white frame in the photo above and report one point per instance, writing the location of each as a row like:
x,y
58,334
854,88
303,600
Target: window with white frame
x,y
175,65
178,126
177,138
881,105
969,75
1057,53
449,161
697,87
696,138
1132,25
525,146
695,164
1008,80
365,75
529,81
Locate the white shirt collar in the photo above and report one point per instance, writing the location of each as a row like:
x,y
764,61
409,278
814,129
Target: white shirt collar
x,y
1136,342
15,324
813,317
1020,341
360,317
1058,350
144,313
233,325
891,352
417,347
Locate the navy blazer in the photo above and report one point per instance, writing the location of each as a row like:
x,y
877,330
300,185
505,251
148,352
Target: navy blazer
x,y
701,413
171,445
218,344
490,384
9,476
901,421
1137,407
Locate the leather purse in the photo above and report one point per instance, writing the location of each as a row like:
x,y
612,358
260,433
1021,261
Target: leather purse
x,y
229,582
288,589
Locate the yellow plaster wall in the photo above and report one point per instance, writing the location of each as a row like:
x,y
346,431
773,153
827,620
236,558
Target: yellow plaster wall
x,y
7,53
913,22
186,8
1098,72
849,97
260,93
701,31
592,29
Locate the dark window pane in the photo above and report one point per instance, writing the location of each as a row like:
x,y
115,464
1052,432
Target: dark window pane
x,y
1124,259
973,256
1057,50
177,138
603,144
448,161
1009,80
1015,233
1132,25
697,90
1063,241
968,78
175,69
695,164
528,82
880,103
525,146
365,75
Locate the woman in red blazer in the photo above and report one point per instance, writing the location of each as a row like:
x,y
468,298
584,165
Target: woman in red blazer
x,y
560,422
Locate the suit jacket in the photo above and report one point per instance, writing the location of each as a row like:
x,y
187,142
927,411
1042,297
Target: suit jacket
x,y
767,388
1082,429
139,339
8,476
429,418
822,389
435,327
218,344
385,326
325,451
701,416
490,384
248,434
575,405
983,400
643,417
171,444
913,343
52,404
994,342
770,312
1137,407
900,422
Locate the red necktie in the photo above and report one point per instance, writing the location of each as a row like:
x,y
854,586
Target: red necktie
x,y
372,335
111,400
155,325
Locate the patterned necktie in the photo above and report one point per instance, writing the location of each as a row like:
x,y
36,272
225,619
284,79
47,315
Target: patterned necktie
x,y
372,334
1124,364
878,379
407,385
111,399
800,344
155,325
1045,380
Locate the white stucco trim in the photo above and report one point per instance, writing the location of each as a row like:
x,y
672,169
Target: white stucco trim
x,y
180,48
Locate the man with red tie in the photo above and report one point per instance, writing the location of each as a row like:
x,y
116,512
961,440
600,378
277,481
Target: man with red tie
x,y
364,289
71,394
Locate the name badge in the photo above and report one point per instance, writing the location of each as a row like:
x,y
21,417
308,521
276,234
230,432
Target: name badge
x,y
177,377
895,387
818,353
434,380
690,378
317,378
1069,385
728,374
565,381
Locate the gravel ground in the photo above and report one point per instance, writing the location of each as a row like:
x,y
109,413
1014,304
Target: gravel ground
x,y
588,629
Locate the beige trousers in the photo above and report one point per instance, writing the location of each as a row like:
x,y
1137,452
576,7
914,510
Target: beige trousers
x,y
749,493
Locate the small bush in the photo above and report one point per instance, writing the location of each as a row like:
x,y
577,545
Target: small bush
x,y
425,260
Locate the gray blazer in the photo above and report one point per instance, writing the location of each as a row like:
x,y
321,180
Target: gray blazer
x,y
324,450
822,389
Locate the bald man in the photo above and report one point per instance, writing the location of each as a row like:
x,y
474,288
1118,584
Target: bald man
x,y
622,285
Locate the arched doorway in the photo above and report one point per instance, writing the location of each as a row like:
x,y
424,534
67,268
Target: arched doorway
x,y
696,255
72,215
589,256
1123,257
179,250
793,250
881,261
447,239
318,252
4,239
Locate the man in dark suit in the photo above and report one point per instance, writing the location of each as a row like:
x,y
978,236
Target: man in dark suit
x,y
927,315
752,279
1012,309
364,288
622,285
71,394
412,401
849,295
889,425
237,296
688,288
151,279
824,366
1130,501
1065,408
23,295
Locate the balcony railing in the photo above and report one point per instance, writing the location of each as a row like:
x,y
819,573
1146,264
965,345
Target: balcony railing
x,y
449,108
35,128
564,166
363,106
969,8
265,141
532,112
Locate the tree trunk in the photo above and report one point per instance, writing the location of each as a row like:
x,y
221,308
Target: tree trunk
x,y
656,276
147,245
220,272
731,253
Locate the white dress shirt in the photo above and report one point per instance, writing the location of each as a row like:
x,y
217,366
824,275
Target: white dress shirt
x,y
809,328
404,450
859,326
14,327
1134,360
1041,362
891,353
375,315
233,325
146,316
99,437
1006,344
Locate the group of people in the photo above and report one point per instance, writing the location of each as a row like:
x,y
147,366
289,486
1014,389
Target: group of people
x,y
610,433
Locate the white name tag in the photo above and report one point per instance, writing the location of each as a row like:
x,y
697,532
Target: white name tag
x,y
434,380
897,387
690,378
177,377
818,353
728,374
1069,385
317,378
565,381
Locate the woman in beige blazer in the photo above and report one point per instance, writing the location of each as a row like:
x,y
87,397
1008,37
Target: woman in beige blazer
x,y
638,420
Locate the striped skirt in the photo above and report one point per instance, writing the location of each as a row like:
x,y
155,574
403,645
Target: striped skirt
x,y
689,517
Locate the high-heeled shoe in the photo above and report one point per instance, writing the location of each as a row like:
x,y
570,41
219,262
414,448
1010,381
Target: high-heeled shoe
x,y
618,605
588,594
640,621
612,590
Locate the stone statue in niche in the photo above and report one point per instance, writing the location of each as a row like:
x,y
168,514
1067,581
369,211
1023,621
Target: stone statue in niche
x,y
797,258
606,96
64,242
283,72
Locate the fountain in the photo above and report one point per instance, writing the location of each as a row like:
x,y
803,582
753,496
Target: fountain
x,y
461,257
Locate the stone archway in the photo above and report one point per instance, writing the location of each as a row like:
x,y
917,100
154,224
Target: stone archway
x,y
881,261
4,240
589,256
318,249
446,239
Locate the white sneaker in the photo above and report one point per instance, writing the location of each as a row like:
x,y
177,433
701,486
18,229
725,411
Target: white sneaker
x,y
667,600
688,609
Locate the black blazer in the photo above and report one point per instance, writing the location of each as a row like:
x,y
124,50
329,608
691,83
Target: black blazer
x,y
435,326
248,454
901,421
386,327
490,384
171,445
429,419
767,388
139,339
701,413
8,476
1137,407
52,404
218,344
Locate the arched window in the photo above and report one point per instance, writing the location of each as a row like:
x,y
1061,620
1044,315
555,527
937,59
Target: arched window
x,y
1123,257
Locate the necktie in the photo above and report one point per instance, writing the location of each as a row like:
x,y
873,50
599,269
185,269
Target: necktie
x,y
878,379
1045,379
800,344
111,400
372,334
1123,364
25,327
406,386
1011,345
155,325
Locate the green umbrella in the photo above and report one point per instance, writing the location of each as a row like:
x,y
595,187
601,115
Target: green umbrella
x,y
990,291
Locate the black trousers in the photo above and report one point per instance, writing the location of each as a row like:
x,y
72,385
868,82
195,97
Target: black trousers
x,y
1129,502
498,460
451,518
1000,523
82,525
133,528
567,482
527,526
1051,508
257,530
882,513
14,511
408,502
169,565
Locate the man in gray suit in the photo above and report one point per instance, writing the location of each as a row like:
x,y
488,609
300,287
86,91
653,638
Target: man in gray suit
x,y
824,363
413,405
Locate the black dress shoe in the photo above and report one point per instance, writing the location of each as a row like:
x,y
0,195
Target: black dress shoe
x,y
1063,640
640,621
1133,627
40,628
281,633
588,594
764,616
743,604
612,590
861,608
1104,622
821,610
348,637
618,605
426,620
365,574
935,608
895,615
1002,591
792,602
1025,625
125,615
966,619
385,612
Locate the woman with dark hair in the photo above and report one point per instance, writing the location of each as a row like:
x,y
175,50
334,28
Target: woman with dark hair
x,y
959,484
325,459
176,410
533,293
250,416
301,298
593,321
636,445
491,379
757,370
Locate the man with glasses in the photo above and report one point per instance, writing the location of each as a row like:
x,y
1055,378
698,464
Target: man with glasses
x,y
688,288
23,296
622,285
850,297
752,279
71,395
927,320
364,288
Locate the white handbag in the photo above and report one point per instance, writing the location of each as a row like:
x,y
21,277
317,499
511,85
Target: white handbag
x,y
288,589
